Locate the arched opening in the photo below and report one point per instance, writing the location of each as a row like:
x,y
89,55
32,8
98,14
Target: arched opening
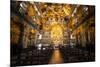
x,y
57,34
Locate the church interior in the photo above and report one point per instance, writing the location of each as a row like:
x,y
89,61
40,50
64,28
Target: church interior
x,y
51,33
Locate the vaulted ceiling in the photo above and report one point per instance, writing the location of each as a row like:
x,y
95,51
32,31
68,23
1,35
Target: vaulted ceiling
x,y
44,13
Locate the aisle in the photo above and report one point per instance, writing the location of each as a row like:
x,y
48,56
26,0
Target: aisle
x,y
56,57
